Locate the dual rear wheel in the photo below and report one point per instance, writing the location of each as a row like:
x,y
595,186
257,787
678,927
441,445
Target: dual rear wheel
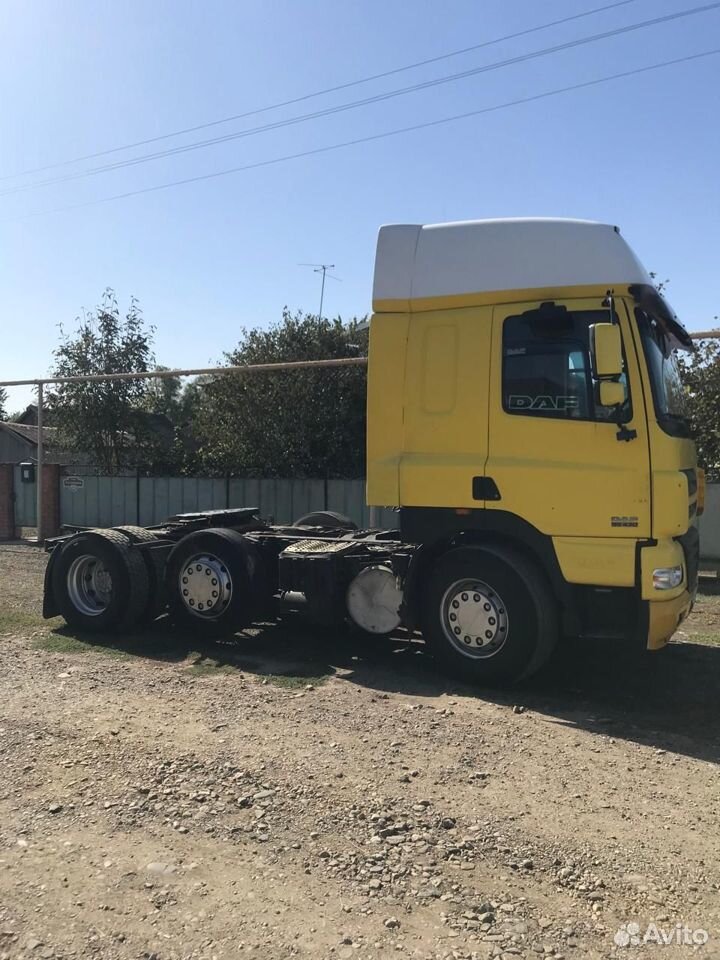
x,y
100,582
212,582
216,582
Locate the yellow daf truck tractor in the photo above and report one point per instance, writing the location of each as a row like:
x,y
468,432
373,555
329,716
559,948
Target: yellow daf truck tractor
x,y
526,416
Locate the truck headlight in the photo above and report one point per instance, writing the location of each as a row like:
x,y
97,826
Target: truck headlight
x,y
667,578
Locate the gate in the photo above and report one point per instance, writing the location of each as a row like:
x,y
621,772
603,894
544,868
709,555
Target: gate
x,y
25,501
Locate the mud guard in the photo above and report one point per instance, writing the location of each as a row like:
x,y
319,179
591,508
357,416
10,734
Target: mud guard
x,y
50,608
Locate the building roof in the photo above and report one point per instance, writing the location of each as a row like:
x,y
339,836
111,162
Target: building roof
x,y
29,433
416,261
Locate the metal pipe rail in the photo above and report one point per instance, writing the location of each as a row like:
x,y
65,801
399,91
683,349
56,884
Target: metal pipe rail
x,y
39,383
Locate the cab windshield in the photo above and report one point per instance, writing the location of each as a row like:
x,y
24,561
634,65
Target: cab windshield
x,y
669,395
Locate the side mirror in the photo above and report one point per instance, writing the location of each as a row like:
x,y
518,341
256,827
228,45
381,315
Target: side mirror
x,y
606,350
611,393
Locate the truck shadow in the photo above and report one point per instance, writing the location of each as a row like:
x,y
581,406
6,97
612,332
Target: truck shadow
x,y
668,700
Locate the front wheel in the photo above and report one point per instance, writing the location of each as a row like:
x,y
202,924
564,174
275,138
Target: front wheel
x,y
489,615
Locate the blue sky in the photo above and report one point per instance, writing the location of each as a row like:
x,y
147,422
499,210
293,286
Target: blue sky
x,y
208,258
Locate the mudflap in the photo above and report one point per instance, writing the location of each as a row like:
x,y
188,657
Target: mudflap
x,y
50,608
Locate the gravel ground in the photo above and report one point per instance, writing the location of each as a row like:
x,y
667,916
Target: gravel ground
x,y
300,793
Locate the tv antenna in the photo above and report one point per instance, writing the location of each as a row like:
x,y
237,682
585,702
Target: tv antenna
x,y
322,268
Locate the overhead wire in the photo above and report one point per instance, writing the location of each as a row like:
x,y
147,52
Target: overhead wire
x,y
381,97
374,137
320,93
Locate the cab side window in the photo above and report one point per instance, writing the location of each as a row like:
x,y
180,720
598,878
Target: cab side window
x,y
546,365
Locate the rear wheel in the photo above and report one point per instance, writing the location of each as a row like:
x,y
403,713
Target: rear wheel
x,y
155,564
100,582
216,582
489,614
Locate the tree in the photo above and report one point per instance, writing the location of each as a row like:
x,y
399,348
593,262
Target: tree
x,y
168,405
701,375
306,423
103,418
3,402
165,395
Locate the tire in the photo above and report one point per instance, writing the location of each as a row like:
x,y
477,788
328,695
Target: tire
x,y
328,519
155,564
504,603
237,597
85,597
137,534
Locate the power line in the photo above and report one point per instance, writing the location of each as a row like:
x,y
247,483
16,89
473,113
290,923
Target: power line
x,y
373,137
377,98
320,93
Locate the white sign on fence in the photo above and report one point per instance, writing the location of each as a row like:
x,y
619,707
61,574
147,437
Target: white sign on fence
x,y
73,484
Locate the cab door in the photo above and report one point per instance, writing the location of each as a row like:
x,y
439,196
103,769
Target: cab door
x,y
554,452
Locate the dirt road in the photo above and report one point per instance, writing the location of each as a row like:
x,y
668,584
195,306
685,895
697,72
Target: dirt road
x,y
305,794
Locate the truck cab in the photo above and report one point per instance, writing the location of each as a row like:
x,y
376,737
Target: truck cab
x,y
526,416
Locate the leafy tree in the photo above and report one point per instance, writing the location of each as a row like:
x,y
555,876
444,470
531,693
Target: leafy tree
x,y
701,375
305,423
104,418
168,446
171,397
3,402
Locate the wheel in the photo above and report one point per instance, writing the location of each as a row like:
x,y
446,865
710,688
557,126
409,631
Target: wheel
x,y
216,582
100,583
489,615
328,519
137,534
155,563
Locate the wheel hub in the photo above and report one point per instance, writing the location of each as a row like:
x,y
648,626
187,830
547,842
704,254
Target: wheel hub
x,y
89,585
205,586
474,618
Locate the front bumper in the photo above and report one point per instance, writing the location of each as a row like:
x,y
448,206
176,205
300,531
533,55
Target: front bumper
x,y
665,616
666,610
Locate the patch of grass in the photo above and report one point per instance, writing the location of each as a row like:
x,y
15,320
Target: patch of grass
x,y
13,620
60,642
707,639
206,666
203,665
294,682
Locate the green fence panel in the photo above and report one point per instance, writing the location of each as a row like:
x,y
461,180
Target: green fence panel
x,y
111,501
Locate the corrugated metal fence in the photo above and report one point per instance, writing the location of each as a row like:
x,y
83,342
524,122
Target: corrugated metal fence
x,y
709,524
91,501
96,501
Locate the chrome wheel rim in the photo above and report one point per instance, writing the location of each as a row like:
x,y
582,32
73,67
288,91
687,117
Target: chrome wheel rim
x,y
205,586
474,619
89,585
